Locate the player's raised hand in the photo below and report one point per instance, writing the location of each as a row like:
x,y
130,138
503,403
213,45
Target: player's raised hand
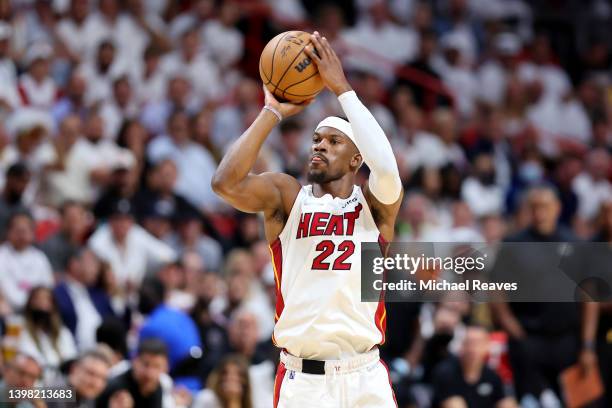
x,y
328,63
286,109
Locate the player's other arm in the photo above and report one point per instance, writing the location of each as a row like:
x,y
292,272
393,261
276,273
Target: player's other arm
x,y
384,189
249,192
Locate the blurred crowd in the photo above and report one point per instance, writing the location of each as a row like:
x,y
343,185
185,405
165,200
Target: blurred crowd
x,y
125,277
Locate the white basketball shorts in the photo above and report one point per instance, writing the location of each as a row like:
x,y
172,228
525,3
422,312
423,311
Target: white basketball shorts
x,y
359,382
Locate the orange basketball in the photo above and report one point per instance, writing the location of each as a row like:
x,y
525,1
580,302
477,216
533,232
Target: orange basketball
x,y
286,70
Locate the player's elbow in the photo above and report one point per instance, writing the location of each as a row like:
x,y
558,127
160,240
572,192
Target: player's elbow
x,y
220,183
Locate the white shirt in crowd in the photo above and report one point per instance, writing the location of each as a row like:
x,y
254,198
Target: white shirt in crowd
x,y
45,352
555,119
555,81
482,200
130,263
591,194
149,89
464,86
8,79
38,95
74,181
88,318
492,82
196,167
74,36
20,271
393,43
114,116
201,72
225,44
428,150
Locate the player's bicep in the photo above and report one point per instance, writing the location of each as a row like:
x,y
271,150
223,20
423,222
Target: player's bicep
x,y
258,192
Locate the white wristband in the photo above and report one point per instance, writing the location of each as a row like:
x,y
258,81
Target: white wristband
x,y
274,111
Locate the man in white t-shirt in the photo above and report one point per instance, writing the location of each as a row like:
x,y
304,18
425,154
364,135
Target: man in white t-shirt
x,y
22,266
129,248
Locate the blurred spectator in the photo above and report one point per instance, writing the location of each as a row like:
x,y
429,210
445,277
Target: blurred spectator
x,y
72,30
74,226
18,254
457,75
183,342
157,206
596,352
441,147
377,35
178,95
9,96
493,75
73,102
87,377
11,200
228,386
30,128
151,84
22,371
140,385
467,381
36,87
127,247
122,185
100,72
593,186
119,107
480,192
221,37
420,75
197,66
230,119
543,337
111,333
194,163
44,336
190,236
82,305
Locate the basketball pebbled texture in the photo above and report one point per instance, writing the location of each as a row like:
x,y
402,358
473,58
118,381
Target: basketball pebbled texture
x,y
287,71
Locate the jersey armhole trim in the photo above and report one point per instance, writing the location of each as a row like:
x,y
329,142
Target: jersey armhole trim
x,y
294,208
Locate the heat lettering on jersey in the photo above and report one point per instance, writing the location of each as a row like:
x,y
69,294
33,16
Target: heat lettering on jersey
x,y
326,224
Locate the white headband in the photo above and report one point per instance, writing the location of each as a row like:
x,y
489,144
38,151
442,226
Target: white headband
x,y
337,123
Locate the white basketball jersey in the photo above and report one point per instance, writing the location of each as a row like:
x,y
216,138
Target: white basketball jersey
x,y
317,266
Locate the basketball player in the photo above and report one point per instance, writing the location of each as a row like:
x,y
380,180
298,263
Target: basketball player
x,y
328,336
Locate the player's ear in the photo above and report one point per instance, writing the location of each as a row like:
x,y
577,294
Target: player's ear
x,y
356,161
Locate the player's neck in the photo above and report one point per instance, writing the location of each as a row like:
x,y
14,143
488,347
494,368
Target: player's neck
x,y
342,188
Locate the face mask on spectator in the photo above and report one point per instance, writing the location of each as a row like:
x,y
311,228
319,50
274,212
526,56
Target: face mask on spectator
x,y
530,172
41,317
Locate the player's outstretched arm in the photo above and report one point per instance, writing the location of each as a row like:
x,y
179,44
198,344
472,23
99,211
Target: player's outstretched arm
x,y
384,183
384,189
249,192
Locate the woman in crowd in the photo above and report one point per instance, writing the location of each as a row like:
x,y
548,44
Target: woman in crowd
x,y
44,336
228,386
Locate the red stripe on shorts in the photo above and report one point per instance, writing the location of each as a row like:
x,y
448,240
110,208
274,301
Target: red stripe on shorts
x,y
278,382
390,385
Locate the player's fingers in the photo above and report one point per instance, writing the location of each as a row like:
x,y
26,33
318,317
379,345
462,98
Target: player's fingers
x,y
320,47
326,46
312,54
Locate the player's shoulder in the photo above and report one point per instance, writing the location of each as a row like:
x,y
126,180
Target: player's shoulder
x,y
288,187
282,180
